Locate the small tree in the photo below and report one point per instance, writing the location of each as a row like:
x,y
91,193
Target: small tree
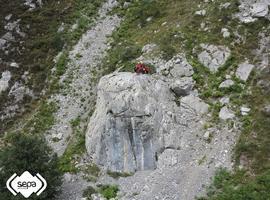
x,y
29,153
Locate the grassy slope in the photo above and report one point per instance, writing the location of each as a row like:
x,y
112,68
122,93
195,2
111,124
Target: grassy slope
x,y
44,42
181,34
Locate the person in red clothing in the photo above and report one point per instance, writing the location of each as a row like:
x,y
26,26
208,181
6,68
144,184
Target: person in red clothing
x,y
141,68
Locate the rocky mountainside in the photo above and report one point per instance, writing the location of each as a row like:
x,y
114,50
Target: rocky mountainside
x,y
32,33
196,126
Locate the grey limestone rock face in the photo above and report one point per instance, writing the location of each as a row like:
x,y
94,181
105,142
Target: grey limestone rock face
x,y
213,57
136,118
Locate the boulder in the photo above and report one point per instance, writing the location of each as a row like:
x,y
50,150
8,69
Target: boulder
x,y
226,84
183,86
8,17
225,5
259,9
225,113
243,71
206,135
136,118
214,57
266,110
178,67
2,43
126,4
200,12
4,81
123,132
196,104
245,110
224,100
8,37
14,64
225,33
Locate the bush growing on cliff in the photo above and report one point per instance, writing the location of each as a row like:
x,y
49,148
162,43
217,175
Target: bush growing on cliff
x,y
29,153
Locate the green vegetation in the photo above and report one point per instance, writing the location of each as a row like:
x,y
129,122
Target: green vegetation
x,y
37,124
88,192
239,186
125,46
108,191
44,42
117,175
91,172
255,139
28,153
75,148
42,120
61,64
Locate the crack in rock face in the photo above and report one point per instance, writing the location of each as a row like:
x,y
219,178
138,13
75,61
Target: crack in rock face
x,y
133,123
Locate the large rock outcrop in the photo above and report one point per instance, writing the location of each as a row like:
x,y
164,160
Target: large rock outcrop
x,y
136,119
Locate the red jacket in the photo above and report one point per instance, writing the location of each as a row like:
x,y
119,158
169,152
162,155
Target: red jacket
x,y
141,68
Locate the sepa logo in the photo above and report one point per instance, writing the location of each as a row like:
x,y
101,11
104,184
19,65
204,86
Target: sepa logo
x,y
26,184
